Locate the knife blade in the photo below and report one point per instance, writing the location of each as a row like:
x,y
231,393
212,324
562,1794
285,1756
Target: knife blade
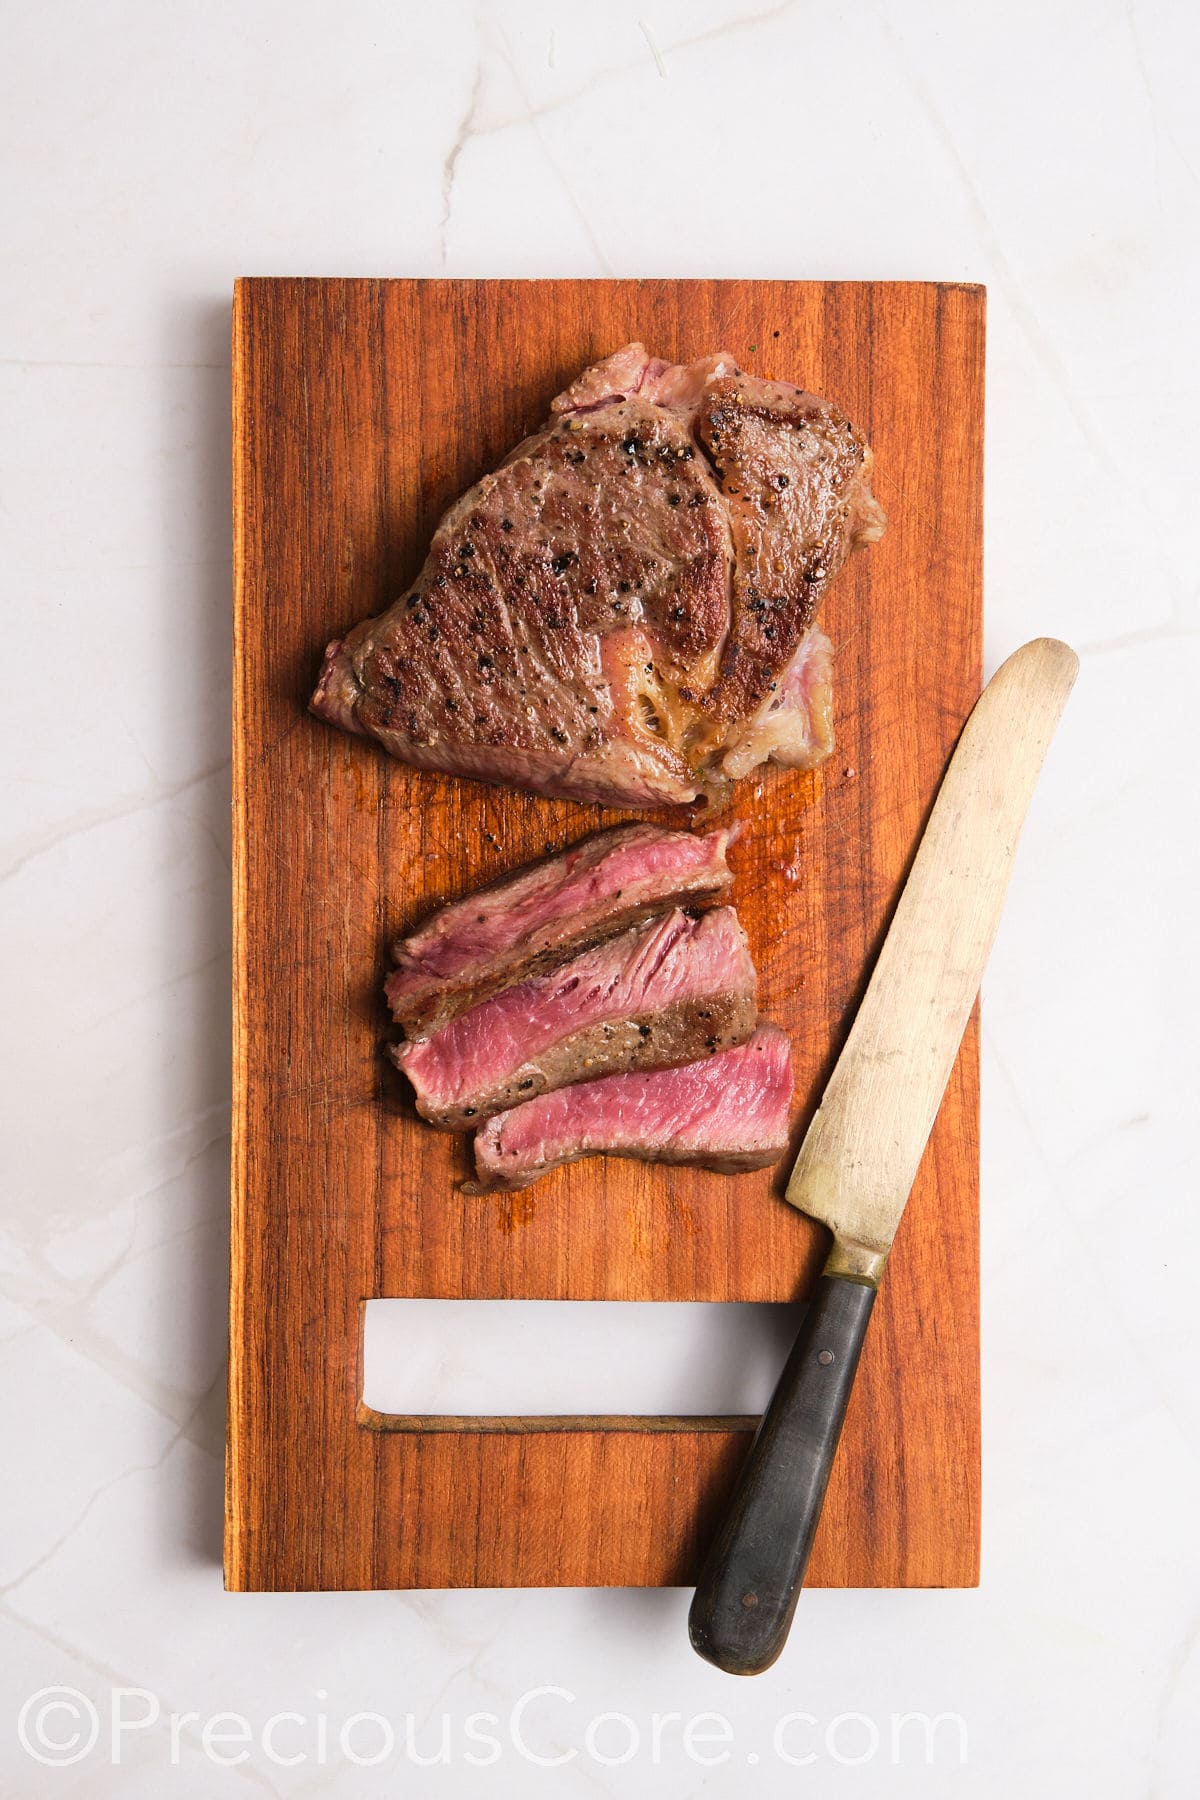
x,y
860,1154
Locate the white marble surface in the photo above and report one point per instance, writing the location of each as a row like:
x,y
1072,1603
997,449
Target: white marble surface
x,y
151,153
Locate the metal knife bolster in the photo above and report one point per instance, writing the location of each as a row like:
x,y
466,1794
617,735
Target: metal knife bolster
x,y
855,1262
857,1254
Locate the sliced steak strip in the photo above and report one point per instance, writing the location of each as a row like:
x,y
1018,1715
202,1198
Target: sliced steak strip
x,y
546,913
729,1113
667,991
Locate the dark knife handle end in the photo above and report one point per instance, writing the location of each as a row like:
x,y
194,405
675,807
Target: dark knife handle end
x,y
755,1568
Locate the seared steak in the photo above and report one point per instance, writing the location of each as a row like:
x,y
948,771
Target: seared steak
x,y
729,1113
544,914
623,611
667,991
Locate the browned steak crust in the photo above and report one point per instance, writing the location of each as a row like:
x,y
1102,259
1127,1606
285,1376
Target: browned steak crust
x,y
612,613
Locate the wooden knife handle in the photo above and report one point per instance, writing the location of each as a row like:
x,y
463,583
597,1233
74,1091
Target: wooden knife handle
x,y
751,1579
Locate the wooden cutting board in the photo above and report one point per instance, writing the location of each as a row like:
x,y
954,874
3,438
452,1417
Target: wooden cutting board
x,y
361,409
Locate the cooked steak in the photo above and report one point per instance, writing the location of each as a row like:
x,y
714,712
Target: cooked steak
x,y
667,991
728,1113
544,914
623,610
796,729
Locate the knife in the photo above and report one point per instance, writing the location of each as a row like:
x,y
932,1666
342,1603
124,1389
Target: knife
x,y
859,1157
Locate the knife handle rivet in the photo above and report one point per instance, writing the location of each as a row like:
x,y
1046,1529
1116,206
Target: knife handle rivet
x,y
826,1357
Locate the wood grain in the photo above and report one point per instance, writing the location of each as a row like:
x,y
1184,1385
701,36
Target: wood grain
x,y
361,409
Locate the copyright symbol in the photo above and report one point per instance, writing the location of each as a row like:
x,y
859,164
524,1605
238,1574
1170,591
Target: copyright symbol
x,y
57,1726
